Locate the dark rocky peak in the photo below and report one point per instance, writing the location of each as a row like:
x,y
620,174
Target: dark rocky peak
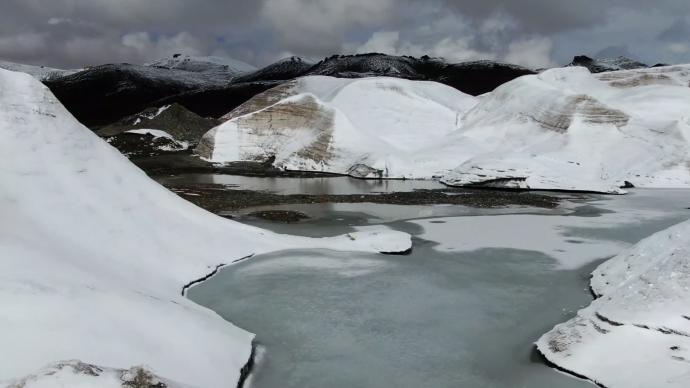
x,y
601,65
285,69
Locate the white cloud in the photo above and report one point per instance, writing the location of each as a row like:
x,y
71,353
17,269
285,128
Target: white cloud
x,y
142,44
534,52
452,49
381,42
679,48
318,25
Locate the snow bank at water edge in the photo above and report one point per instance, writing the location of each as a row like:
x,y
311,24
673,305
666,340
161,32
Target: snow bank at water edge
x,y
94,254
636,334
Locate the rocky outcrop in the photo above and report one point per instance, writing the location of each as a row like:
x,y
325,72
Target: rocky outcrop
x,y
174,119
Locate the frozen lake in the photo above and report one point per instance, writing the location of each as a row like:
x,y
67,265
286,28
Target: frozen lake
x,y
462,310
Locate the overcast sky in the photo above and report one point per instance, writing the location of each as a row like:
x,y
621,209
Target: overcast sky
x,y
75,33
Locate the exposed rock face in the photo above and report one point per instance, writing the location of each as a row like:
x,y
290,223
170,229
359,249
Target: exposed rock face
x,y
104,94
174,119
601,65
284,69
302,121
77,373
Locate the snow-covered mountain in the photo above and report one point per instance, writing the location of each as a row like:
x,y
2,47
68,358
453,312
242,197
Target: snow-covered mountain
x,y
601,65
208,64
368,127
42,73
94,255
568,129
636,334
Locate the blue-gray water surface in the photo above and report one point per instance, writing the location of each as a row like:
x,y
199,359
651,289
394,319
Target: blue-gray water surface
x,y
428,319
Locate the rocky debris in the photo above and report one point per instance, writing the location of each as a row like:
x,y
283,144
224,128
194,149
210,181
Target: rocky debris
x,y
601,65
77,373
285,216
219,198
285,69
174,119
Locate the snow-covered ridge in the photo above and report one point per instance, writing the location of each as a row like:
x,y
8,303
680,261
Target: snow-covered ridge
x,y
208,64
636,334
41,73
369,127
93,254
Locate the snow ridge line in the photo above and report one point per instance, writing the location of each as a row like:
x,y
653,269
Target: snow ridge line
x,y
211,274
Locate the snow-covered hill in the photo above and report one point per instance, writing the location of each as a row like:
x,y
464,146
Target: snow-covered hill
x,y
563,129
94,255
636,334
571,130
371,127
42,73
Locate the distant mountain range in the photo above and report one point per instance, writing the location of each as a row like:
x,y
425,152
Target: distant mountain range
x,y
213,86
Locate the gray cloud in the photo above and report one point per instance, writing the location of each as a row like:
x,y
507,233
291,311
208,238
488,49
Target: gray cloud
x,y
72,33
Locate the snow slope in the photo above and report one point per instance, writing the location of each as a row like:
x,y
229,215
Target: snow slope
x,y
41,73
568,129
94,255
636,334
369,127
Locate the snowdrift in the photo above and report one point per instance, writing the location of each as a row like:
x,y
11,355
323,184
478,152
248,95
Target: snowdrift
x,y
636,334
94,255
370,128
